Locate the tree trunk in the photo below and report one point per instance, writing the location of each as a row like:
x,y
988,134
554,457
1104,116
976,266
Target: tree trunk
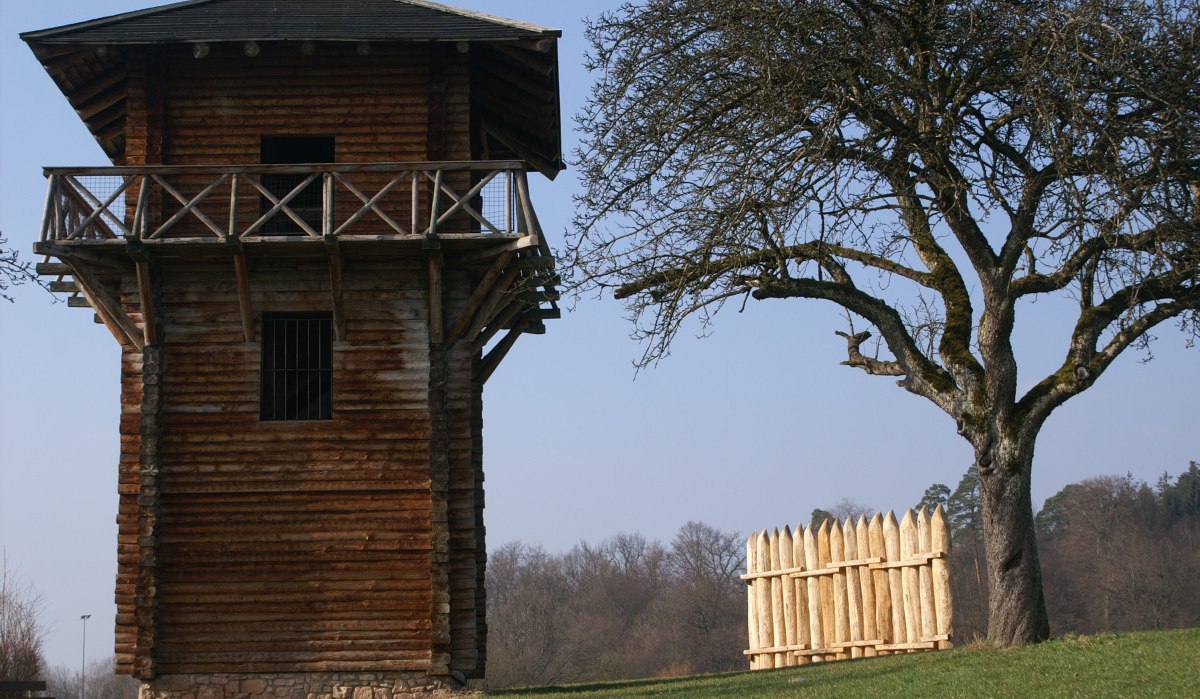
x,y
1016,605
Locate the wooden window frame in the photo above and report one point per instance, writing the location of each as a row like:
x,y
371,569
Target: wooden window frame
x,y
296,381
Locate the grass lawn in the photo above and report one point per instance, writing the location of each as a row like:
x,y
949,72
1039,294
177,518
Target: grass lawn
x,y
1149,664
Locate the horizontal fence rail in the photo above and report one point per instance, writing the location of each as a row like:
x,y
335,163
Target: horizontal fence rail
x,y
262,202
834,591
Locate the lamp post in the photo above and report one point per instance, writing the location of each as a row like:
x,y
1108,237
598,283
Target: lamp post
x,y
83,658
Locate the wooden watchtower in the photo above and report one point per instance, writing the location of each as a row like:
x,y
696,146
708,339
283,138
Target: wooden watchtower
x,y
314,246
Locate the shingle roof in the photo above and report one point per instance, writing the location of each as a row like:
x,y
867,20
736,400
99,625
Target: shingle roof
x,y
266,20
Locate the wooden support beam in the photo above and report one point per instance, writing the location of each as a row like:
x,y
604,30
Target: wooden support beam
x,y
242,271
493,358
536,263
146,301
94,259
335,286
64,287
527,241
502,319
492,305
478,296
107,306
436,319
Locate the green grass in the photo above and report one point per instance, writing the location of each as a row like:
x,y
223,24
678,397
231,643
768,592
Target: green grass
x,y
1150,664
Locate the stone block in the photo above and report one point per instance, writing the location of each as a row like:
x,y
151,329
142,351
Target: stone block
x,y
252,687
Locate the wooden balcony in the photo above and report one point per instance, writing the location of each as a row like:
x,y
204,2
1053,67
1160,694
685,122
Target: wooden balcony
x,y
105,222
274,203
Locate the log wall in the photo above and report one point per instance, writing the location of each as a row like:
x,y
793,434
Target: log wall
x,y
300,546
398,103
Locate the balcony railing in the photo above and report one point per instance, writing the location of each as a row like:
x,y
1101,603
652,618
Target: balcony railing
x,y
289,202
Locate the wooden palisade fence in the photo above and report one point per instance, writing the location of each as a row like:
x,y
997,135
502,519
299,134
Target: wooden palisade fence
x,y
833,591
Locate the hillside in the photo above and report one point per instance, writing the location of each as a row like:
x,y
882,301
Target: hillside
x,y
1149,664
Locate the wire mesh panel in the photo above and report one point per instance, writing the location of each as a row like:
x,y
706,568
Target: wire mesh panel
x,y
94,191
496,203
297,366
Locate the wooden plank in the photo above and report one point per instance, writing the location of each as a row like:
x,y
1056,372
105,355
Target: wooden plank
x,y
801,589
491,306
52,269
910,579
924,577
493,358
481,292
107,307
335,288
436,321
752,574
891,542
816,634
294,169
853,589
825,583
914,645
146,301
841,615
765,633
866,583
940,567
502,320
778,632
245,306
512,245
788,585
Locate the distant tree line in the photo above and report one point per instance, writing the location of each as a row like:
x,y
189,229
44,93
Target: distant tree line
x,y
1117,555
622,609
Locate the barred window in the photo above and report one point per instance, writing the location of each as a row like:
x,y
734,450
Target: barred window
x,y
297,366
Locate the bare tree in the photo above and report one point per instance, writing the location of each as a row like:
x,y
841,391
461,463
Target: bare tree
x,y
13,272
528,594
62,682
706,600
20,630
926,165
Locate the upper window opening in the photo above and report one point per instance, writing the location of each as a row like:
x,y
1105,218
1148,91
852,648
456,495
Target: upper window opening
x,y
286,150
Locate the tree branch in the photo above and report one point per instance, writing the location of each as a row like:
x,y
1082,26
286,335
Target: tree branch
x,y
921,375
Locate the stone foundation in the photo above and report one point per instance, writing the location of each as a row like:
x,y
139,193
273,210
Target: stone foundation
x,y
302,685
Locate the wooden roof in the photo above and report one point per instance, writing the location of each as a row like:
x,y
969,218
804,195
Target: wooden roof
x,y
274,20
87,59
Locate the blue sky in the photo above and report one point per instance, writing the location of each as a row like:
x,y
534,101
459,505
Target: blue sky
x,y
752,427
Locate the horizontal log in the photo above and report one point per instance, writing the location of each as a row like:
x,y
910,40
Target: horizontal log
x,y
208,664
919,645
216,170
52,269
918,559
